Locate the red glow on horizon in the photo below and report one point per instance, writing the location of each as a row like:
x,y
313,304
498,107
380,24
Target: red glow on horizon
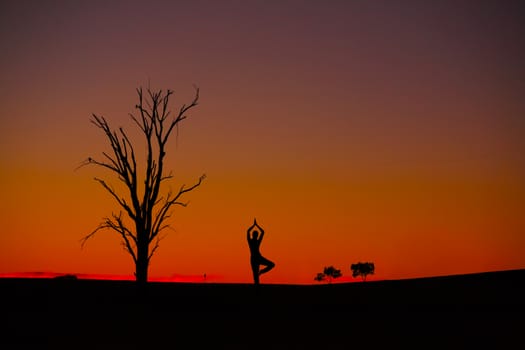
x,y
85,276
174,278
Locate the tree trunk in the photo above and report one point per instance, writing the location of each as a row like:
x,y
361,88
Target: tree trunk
x,y
141,271
141,267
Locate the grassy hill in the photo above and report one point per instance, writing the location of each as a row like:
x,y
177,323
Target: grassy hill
x,y
452,312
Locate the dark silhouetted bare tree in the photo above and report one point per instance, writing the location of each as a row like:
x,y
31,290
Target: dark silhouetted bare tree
x,y
144,211
362,269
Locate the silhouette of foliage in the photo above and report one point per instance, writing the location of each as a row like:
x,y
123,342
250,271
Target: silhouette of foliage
x,y
320,277
362,269
145,209
329,273
69,277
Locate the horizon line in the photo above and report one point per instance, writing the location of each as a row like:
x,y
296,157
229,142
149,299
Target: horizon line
x,y
214,279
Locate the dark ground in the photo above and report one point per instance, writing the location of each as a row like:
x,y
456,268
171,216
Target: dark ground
x,y
460,312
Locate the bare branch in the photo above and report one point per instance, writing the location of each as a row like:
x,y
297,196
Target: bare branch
x,y
116,224
120,201
167,177
113,165
184,190
156,246
126,234
141,126
83,163
132,169
163,214
181,115
92,234
165,100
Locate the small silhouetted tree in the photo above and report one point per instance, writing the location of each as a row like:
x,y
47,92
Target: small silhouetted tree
x,y
145,209
329,273
320,277
362,269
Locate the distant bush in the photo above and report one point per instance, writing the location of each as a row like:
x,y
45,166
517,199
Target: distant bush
x,y
329,273
362,269
320,277
66,277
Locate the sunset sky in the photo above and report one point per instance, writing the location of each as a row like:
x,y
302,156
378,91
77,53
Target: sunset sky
x,y
384,131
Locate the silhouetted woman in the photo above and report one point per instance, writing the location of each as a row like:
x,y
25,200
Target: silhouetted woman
x,y
256,259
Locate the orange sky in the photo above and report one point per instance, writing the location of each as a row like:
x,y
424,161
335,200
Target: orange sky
x,y
382,132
